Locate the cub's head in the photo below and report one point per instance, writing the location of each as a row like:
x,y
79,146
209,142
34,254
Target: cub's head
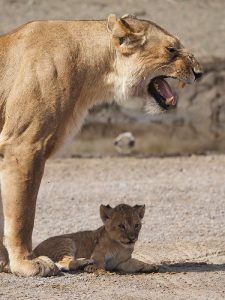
x,y
123,222
146,55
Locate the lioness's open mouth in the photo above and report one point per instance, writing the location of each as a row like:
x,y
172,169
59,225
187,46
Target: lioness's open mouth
x,y
162,92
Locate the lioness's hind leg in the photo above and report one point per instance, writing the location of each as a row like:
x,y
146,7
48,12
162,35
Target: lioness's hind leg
x,y
4,259
68,263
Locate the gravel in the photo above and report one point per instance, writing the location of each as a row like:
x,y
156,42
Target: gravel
x,y
183,226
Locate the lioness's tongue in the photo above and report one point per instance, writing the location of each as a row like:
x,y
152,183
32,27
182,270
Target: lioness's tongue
x,y
165,90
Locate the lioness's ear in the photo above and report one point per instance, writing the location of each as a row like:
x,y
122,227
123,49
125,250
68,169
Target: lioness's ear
x,y
140,210
124,38
118,27
105,212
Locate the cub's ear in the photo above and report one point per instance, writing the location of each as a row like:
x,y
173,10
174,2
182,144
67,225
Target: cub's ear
x,y
105,212
124,38
140,210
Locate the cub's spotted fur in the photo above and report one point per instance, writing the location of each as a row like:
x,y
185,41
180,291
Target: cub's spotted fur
x,y
109,247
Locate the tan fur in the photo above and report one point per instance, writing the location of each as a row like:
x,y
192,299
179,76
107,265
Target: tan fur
x,y
51,73
108,248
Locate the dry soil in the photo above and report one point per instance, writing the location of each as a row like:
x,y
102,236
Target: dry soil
x,y
183,230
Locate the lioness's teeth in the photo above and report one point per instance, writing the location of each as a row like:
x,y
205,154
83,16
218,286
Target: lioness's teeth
x,y
182,84
169,100
156,87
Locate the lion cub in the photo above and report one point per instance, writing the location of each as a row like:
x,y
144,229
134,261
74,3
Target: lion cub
x,y
109,247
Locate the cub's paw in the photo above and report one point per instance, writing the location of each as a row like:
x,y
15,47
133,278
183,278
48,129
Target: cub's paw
x,y
147,268
46,267
41,266
70,264
91,268
84,262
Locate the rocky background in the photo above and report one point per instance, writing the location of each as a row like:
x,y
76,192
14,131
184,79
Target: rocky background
x,y
196,126
198,123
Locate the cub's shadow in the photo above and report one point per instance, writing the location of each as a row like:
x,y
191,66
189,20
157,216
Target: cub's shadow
x,y
185,267
190,267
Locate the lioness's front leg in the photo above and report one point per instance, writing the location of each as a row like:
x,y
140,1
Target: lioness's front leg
x,y
21,173
133,265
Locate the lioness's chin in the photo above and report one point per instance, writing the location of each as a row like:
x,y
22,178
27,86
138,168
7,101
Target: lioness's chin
x,y
152,108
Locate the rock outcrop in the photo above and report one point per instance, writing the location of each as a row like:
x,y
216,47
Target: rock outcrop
x,y
197,125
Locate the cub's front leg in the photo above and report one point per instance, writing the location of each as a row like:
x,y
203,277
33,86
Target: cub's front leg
x,y
69,263
133,265
91,268
98,263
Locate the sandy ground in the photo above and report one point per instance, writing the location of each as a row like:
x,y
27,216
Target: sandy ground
x,y
184,226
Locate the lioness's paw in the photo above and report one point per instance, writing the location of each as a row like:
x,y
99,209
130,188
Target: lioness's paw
x,y
40,266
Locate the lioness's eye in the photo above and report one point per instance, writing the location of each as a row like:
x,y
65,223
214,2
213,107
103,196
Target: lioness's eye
x,y
171,50
121,40
121,226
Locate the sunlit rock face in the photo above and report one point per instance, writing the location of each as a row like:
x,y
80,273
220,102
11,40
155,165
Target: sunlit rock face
x,y
124,143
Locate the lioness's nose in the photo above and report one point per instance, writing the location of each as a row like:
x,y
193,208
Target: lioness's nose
x,y
198,72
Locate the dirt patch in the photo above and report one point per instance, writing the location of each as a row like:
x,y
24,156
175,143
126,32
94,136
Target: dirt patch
x,y
183,226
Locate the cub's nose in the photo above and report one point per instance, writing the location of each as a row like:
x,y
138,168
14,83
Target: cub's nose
x,y
132,239
198,72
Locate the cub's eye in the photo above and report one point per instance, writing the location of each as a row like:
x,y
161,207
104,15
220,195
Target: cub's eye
x,y
171,50
136,226
121,226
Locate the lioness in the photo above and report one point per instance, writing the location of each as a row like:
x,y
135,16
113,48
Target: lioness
x,y
51,73
109,247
